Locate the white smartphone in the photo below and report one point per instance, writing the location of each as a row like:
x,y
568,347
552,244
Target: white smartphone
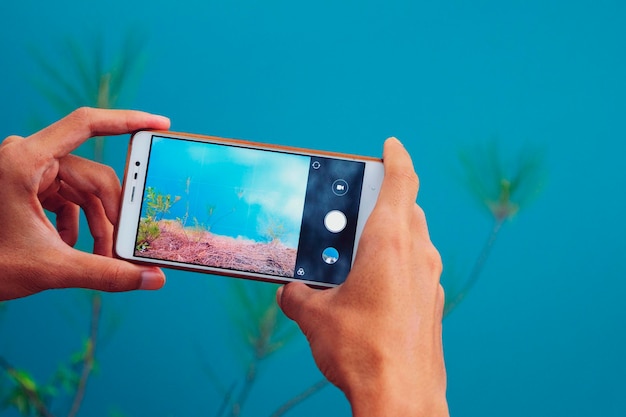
x,y
244,209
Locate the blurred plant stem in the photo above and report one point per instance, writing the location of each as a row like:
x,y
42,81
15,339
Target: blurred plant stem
x,y
245,391
503,188
263,331
310,391
455,300
263,346
89,354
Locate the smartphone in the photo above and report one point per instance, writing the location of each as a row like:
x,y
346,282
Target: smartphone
x,y
244,209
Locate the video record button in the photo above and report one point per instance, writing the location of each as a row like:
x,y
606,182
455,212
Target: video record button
x,y
340,187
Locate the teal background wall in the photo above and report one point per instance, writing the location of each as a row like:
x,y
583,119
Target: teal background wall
x,y
544,330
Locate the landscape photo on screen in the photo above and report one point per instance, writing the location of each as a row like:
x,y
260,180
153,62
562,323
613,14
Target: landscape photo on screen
x,y
222,206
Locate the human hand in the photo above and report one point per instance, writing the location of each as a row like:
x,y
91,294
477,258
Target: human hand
x,y
378,335
38,173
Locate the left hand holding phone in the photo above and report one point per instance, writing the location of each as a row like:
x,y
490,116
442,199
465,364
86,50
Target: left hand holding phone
x,y
38,173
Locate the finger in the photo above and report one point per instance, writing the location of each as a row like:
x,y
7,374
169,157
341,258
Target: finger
x,y
397,196
293,299
67,214
67,134
106,274
100,227
88,177
400,182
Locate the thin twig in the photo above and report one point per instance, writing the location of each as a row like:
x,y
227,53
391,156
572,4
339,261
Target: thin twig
x,y
245,390
90,353
478,267
227,400
313,389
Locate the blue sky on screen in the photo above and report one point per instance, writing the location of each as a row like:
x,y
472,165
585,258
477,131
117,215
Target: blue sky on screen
x,y
248,190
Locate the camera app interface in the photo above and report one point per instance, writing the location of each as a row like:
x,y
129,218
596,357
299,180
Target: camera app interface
x,y
242,209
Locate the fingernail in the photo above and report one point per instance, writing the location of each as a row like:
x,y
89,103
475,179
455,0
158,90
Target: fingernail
x,y
161,119
396,139
152,280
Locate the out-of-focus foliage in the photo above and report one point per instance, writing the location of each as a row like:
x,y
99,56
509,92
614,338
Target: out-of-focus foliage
x,y
81,73
261,331
502,185
258,319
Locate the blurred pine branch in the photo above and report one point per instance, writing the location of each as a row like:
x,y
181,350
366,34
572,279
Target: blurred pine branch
x,y
502,187
262,330
79,74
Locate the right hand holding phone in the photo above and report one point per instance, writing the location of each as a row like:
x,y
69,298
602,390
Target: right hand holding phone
x,y
378,335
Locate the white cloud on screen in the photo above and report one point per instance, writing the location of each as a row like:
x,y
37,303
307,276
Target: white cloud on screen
x,y
204,154
279,186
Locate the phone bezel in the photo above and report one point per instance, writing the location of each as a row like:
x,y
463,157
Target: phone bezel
x,y
134,181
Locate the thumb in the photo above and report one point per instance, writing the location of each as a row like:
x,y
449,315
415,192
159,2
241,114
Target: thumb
x,y
294,300
108,274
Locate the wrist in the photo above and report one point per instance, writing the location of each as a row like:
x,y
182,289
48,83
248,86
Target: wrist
x,y
390,397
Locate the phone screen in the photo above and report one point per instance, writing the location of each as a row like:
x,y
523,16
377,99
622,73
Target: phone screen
x,y
238,208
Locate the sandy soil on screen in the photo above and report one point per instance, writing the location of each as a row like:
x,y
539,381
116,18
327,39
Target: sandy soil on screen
x,y
176,243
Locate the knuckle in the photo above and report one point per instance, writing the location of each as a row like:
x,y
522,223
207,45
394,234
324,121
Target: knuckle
x,y
420,213
289,298
82,113
82,116
108,172
108,177
8,147
12,155
428,260
11,139
433,260
102,181
300,306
